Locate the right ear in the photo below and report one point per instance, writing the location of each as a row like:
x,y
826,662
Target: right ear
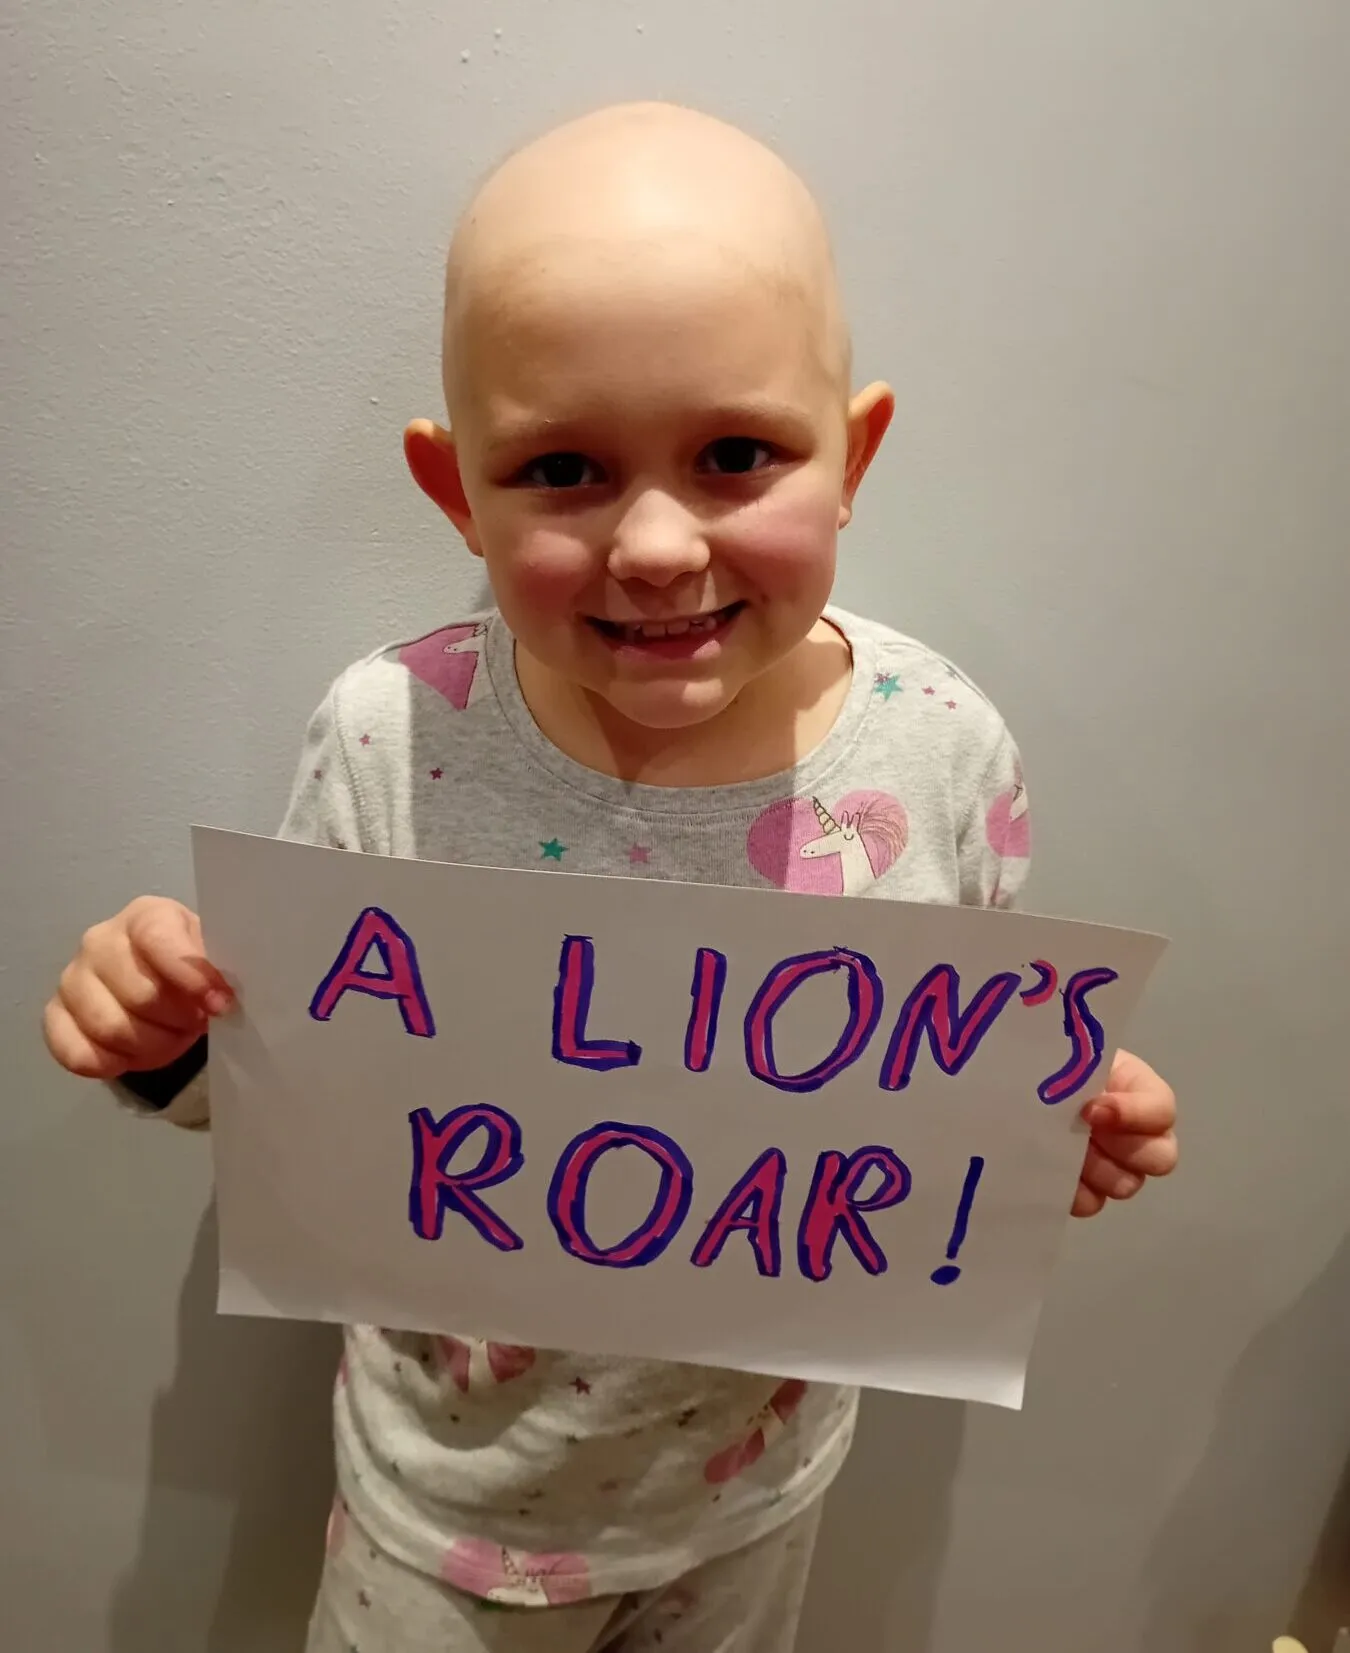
x,y
434,462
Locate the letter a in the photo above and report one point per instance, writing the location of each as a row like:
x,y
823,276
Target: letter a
x,y
401,979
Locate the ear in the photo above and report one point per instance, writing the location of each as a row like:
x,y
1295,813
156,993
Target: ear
x,y
869,413
434,462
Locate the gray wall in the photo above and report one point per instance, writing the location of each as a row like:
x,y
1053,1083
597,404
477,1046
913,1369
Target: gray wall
x,y
1103,250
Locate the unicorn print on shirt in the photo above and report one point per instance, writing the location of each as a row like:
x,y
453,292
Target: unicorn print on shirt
x,y
847,838
1006,824
515,1578
768,1423
475,1363
836,848
447,661
1007,829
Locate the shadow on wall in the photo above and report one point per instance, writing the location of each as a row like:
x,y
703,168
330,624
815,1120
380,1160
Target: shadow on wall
x,y
879,1561
276,1413
1298,1367
1324,1602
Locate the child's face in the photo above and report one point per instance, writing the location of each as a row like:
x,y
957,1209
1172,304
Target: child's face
x,y
652,452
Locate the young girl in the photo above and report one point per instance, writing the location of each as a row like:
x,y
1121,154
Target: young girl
x,y
653,448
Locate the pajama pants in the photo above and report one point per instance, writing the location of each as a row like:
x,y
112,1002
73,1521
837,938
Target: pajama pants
x,y
746,1602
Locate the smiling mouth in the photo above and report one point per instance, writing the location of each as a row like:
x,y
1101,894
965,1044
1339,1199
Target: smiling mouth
x,y
638,632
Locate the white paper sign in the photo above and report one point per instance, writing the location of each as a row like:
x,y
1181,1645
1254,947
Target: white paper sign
x,y
807,1136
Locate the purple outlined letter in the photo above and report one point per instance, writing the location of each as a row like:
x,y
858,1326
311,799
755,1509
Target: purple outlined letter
x,y
864,1012
436,1189
700,1039
832,1208
572,1002
401,979
567,1194
934,1007
753,1205
1085,1036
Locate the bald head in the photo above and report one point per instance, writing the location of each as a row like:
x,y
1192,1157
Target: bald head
x,y
641,194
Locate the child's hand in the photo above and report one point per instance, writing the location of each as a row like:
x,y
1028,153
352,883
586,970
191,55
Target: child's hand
x,y
1133,1135
139,993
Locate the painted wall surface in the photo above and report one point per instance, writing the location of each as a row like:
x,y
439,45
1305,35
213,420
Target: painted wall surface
x,y
1103,251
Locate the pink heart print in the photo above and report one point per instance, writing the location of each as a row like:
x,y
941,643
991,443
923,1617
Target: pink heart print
x,y
769,1422
1008,825
467,1358
515,1578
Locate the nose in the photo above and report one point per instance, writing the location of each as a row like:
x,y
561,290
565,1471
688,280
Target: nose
x,y
658,540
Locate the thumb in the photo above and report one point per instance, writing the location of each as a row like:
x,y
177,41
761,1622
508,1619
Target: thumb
x,y
1102,1113
1149,1111
167,937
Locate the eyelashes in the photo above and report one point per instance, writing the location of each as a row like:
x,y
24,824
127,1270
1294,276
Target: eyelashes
x,y
567,470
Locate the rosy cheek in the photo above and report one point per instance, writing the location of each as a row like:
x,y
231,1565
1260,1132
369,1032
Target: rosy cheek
x,y
785,536
548,569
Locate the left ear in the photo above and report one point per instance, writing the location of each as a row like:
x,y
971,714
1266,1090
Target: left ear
x,y
869,413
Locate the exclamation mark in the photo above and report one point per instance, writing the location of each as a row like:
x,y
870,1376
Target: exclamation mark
x,y
950,1271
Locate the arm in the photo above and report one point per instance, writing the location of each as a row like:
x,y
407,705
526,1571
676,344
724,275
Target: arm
x,y
1133,1120
133,1006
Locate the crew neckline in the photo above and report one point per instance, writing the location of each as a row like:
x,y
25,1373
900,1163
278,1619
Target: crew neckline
x,y
729,798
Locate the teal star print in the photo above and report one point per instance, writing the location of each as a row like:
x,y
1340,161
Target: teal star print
x,y
888,684
552,850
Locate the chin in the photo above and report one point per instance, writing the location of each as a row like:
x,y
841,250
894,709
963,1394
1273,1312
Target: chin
x,y
680,706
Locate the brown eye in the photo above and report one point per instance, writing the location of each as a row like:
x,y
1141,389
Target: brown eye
x,y
735,456
560,470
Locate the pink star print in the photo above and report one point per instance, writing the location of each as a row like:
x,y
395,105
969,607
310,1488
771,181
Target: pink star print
x,y
436,774
365,740
930,691
951,705
639,855
581,1386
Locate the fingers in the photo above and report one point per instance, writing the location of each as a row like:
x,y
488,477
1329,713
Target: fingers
x,y
1146,1156
150,958
139,993
1087,1202
1133,1135
111,980
1148,1112
74,1049
114,1029
1101,1182
1103,1176
1143,1099
166,937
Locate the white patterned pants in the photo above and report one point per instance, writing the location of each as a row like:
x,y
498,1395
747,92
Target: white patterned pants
x,y
746,1602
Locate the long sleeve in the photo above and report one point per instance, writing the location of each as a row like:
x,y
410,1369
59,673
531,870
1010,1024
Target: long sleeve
x,y
323,807
994,847
322,810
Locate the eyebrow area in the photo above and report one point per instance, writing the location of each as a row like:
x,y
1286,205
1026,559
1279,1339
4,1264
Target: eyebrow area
x,y
765,417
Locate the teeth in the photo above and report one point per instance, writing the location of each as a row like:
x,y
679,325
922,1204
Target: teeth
x,y
653,630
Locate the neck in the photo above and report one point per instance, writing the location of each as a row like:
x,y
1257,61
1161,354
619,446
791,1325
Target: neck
x,y
771,725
